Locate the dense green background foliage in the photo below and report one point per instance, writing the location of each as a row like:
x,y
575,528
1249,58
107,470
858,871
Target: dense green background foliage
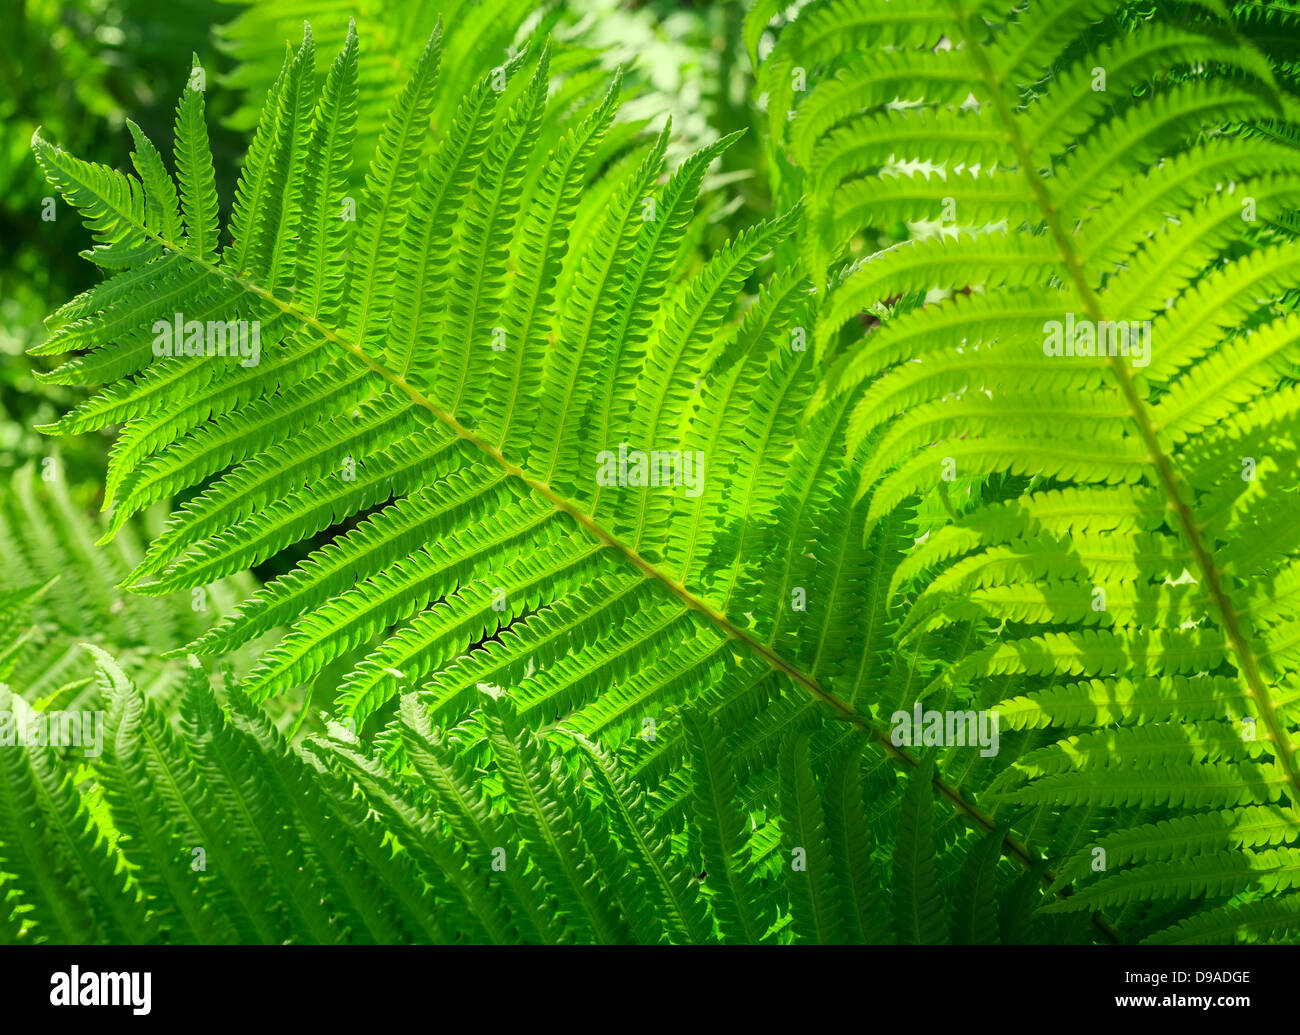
x,y
444,681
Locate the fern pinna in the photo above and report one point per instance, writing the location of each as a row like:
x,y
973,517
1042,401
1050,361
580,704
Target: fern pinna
x,y
58,590
638,711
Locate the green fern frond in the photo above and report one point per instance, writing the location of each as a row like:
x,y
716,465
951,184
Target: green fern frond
x,y
1057,177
